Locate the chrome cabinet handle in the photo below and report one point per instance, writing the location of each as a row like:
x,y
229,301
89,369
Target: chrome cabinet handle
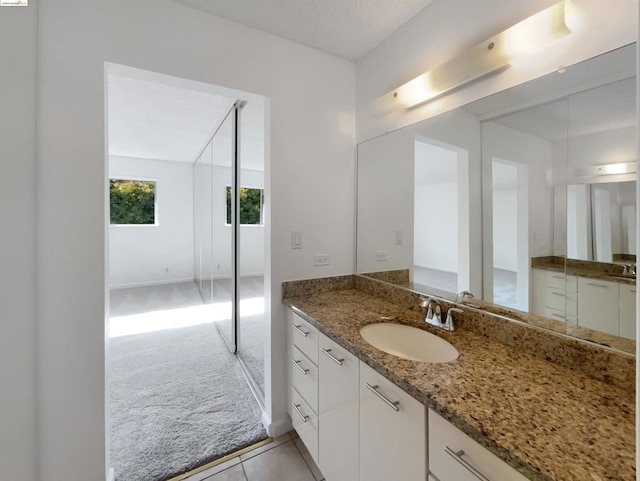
x,y
558,316
558,277
302,415
392,404
597,285
302,369
457,455
298,327
339,362
557,294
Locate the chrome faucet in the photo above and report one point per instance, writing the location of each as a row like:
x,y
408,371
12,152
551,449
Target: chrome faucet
x,y
461,297
629,270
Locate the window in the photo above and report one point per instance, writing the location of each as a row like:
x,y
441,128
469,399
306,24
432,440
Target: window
x,y
251,203
132,202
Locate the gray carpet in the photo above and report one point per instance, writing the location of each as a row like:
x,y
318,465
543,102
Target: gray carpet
x,y
178,400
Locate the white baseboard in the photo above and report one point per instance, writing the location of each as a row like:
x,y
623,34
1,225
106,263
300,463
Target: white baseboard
x,y
278,427
151,283
111,475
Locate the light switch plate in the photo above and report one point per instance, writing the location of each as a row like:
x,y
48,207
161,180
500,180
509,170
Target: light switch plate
x,y
296,239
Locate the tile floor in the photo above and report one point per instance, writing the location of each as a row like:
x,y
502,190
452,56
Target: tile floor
x,y
285,459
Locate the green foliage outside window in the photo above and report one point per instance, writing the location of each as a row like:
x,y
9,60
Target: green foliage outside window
x,y
132,201
250,206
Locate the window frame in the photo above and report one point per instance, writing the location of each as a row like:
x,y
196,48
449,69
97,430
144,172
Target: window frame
x,y
261,189
137,178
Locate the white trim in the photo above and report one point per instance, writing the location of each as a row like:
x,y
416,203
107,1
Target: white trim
x,y
278,427
111,475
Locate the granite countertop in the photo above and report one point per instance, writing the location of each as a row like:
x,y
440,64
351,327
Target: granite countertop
x,y
587,272
549,422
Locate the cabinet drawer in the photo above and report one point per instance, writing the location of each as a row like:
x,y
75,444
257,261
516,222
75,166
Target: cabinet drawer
x,y
556,279
305,422
304,378
305,337
555,298
558,315
448,463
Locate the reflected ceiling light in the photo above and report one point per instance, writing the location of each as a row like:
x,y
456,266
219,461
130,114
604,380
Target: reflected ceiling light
x,y
608,169
491,56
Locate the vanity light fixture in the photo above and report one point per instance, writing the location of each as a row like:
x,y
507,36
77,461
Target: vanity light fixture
x,y
491,56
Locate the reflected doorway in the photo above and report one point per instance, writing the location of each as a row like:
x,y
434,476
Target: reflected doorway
x,y
441,212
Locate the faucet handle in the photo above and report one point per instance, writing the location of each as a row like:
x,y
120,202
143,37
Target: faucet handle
x,y
449,322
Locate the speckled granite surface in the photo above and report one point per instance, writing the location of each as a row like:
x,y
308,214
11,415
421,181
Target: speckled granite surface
x,y
617,369
547,421
594,270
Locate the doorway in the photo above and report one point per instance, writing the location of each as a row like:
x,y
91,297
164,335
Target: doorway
x,y
441,211
510,190
184,386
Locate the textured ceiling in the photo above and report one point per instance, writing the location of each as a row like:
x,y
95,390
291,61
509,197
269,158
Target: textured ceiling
x,y
346,28
157,121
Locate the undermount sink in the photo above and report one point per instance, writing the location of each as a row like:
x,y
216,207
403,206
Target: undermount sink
x,y
409,342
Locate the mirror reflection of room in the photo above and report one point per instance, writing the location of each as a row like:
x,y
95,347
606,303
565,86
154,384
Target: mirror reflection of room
x,y
533,190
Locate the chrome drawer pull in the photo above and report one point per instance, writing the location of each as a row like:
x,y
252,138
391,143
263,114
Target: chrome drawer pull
x,y
632,291
302,415
557,294
297,364
332,357
392,404
557,315
298,327
457,455
558,277
597,285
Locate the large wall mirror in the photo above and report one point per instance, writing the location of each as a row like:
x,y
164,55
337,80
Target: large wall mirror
x,y
526,198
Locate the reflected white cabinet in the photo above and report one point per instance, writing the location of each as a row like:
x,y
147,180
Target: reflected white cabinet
x,y
393,431
598,305
338,448
554,295
454,456
627,302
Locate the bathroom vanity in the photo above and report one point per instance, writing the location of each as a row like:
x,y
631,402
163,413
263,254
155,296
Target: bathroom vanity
x,y
497,412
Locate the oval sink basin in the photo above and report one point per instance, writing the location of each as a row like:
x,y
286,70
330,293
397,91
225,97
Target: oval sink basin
x,y
409,342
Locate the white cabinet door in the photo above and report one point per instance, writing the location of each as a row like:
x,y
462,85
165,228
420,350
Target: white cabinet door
x,y
628,311
339,405
538,295
598,305
454,456
393,431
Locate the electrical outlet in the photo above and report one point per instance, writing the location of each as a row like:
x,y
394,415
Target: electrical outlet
x,y
166,270
381,256
321,260
399,240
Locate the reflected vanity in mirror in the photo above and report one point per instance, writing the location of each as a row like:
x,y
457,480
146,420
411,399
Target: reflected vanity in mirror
x,y
525,198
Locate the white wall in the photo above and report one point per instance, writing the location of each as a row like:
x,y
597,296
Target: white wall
x,y
311,130
436,227
505,229
17,242
448,27
385,194
140,254
518,147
